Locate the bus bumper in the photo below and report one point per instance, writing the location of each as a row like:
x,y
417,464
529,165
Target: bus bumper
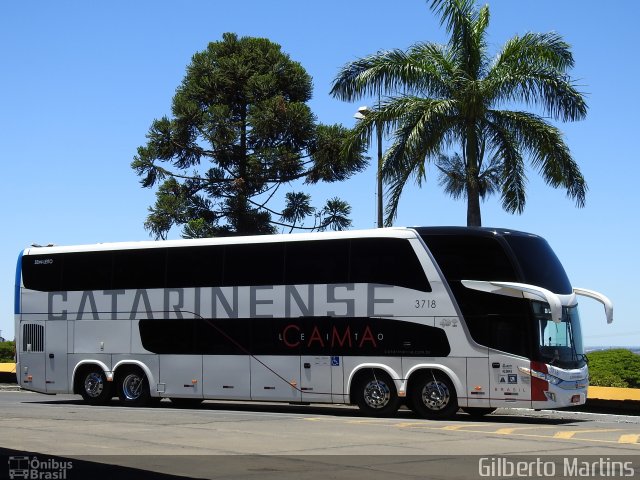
x,y
559,398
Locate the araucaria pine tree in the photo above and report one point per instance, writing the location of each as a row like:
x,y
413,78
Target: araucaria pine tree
x,y
240,130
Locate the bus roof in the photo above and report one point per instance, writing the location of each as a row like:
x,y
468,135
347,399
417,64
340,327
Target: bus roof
x,y
471,231
395,232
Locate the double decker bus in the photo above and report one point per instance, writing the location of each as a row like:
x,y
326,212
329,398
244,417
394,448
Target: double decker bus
x,y
437,318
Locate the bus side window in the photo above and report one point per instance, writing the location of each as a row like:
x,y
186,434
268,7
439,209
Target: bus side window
x,y
254,264
388,261
136,269
87,271
42,272
317,262
195,267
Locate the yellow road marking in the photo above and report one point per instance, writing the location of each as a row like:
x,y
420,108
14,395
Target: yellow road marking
x,y
368,422
631,438
508,431
458,427
568,434
410,425
628,439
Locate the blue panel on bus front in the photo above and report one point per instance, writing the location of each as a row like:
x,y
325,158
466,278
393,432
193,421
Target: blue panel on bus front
x,y
18,276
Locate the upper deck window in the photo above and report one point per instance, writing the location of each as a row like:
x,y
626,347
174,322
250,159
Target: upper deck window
x,y
42,272
317,262
471,258
388,261
195,266
254,264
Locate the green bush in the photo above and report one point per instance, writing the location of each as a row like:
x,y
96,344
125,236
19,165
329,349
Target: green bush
x,y
606,379
7,352
614,368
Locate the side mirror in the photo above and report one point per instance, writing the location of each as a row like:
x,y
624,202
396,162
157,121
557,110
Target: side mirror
x,y
608,305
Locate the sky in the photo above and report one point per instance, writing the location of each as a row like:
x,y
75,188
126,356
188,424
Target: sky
x,y
81,83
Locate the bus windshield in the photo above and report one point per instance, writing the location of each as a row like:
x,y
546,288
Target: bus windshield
x,y
559,344
539,264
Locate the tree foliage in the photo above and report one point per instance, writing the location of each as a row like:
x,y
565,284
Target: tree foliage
x,y
441,97
7,352
617,367
240,129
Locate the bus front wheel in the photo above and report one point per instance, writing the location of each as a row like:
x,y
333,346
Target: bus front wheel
x,y
375,393
93,386
133,387
433,396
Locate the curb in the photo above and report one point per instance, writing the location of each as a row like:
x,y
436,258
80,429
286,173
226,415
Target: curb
x,y
7,367
599,405
7,387
8,378
613,393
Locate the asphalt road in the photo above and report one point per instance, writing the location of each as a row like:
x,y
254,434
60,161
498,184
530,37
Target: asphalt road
x,y
252,440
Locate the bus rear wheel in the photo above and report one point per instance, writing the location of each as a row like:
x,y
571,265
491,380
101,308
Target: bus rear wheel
x,y
375,393
433,396
93,386
133,387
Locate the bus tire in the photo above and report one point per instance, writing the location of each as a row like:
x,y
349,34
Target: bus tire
x,y
433,396
93,386
375,393
478,412
186,402
133,387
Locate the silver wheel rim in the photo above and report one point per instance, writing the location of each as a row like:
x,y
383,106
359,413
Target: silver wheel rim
x,y
377,394
132,386
435,395
94,384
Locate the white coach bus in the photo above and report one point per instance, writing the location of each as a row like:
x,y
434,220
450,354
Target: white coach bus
x,y
438,318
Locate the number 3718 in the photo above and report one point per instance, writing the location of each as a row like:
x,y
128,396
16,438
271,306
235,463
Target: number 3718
x,y
425,304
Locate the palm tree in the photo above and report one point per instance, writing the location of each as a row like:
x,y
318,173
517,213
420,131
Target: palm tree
x,y
442,96
454,176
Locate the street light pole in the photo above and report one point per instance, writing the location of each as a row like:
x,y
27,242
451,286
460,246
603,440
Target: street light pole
x,y
360,114
379,175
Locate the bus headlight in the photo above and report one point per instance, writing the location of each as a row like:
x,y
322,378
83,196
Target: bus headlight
x,y
542,376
